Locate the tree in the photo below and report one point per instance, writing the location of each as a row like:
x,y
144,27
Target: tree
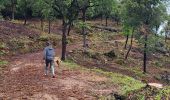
x,y
11,5
24,7
105,9
68,10
144,13
1,5
43,9
84,5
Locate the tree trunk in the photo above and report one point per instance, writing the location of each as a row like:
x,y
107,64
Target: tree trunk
x,y
101,19
69,29
25,19
13,11
64,42
130,46
84,30
166,37
42,24
49,26
145,54
127,38
106,21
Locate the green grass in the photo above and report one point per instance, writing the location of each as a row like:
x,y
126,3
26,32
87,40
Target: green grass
x,y
163,94
70,65
127,84
3,63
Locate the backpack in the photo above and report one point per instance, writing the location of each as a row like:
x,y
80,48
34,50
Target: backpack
x,y
49,53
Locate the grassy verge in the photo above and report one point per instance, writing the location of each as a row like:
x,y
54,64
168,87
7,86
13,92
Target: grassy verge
x,y
127,84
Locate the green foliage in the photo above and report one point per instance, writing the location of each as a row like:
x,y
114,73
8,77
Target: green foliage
x,y
152,41
24,6
127,30
105,8
67,9
151,93
49,37
19,44
81,24
44,9
150,12
163,94
3,48
2,63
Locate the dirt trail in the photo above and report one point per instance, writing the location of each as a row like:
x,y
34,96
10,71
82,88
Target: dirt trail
x,y
24,79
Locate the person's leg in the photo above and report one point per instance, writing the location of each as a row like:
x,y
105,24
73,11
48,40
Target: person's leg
x,y
52,68
46,66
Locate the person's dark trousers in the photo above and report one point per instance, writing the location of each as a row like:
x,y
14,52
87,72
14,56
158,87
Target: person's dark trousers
x,y
51,63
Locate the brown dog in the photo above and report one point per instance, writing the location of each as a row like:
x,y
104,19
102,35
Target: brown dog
x,y
57,61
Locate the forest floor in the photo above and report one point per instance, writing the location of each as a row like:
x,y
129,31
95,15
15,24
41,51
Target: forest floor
x,y
82,77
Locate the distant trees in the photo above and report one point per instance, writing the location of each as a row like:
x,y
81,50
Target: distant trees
x,y
137,16
11,6
105,9
24,7
144,15
44,10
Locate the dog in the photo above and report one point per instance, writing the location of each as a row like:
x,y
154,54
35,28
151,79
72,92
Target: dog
x,y
57,61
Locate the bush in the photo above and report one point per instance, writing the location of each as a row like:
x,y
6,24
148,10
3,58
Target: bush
x,y
49,37
21,43
110,54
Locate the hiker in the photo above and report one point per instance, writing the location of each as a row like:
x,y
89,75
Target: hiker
x,y
49,54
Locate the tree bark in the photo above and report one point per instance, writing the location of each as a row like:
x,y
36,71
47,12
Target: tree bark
x,y
131,43
106,21
42,24
145,54
13,11
166,36
127,38
49,26
64,42
69,29
101,19
25,19
84,30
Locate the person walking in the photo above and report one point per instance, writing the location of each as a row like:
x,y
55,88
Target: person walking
x,y
49,55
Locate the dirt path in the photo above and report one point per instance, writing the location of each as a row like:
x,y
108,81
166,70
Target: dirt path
x,y
24,79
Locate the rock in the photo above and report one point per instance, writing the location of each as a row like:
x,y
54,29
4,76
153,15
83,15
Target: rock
x,y
71,98
167,54
157,85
